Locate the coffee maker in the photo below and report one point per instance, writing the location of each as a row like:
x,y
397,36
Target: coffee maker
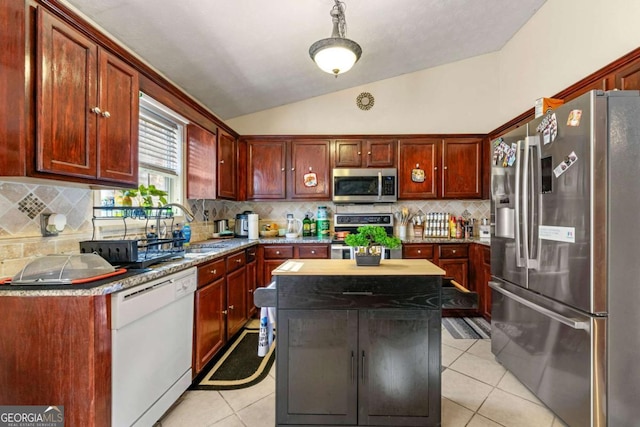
x,y
241,226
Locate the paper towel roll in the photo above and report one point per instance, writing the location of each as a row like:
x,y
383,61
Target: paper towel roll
x,y
253,226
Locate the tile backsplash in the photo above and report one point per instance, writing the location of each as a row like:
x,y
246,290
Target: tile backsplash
x,y
22,203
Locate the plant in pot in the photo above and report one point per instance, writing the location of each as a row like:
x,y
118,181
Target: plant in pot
x,y
369,242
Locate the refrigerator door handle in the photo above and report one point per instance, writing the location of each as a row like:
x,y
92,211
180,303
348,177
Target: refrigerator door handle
x,y
517,226
531,142
573,323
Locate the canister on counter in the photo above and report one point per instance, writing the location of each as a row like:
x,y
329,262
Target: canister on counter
x,y
322,222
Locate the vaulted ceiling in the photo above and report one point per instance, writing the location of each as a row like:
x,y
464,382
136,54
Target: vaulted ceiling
x,y
237,57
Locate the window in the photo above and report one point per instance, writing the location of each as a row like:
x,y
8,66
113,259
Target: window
x,y
160,142
160,152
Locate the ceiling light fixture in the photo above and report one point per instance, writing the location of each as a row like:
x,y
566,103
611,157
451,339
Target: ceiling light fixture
x,y
336,54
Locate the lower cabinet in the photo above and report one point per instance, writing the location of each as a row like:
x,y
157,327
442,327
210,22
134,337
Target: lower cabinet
x,y
459,298
349,367
271,256
221,308
252,280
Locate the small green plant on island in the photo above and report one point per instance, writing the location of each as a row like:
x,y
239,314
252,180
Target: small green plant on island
x,y
372,235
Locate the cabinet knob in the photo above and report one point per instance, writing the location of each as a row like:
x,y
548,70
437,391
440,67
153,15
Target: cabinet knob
x,y
106,114
214,271
282,169
419,251
293,169
313,252
224,312
221,161
444,167
231,307
277,252
250,291
369,153
96,110
359,153
252,253
435,168
454,251
238,261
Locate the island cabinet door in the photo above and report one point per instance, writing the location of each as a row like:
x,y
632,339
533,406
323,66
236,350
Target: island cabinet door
x,y
399,358
317,362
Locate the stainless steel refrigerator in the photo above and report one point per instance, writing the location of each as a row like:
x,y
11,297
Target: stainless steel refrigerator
x,y
565,258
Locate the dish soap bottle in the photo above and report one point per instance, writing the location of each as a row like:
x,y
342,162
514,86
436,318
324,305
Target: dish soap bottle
x,y
186,232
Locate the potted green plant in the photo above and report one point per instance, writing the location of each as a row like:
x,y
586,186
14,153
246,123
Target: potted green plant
x,y
369,242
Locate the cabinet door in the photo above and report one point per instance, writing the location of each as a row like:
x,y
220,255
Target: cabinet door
x,y
118,120
419,154
236,300
252,284
458,269
628,78
317,373
388,393
380,153
201,163
66,98
348,153
310,157
462,168
486,278
209,333
227,166
267,162
269,266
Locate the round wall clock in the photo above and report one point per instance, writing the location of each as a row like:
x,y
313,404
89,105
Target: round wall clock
x,y
365,101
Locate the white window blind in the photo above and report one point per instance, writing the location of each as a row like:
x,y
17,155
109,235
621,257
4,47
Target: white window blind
x,y
159,143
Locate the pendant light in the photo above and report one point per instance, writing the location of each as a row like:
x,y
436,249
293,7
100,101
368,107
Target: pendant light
x,y
336,54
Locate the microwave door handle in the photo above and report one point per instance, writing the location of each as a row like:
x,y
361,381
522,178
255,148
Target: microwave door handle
x,y
379,185
518,197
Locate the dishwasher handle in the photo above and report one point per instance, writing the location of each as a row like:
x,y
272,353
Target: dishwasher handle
x,y
573,323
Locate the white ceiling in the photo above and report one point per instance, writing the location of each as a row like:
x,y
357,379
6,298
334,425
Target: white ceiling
x,y
241,56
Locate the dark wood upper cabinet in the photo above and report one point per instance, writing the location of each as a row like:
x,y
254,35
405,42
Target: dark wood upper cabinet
x,y
419,153
87,107
13,155
357,153
118,123
280,169
310,157
627,78
266,164
227,166
201,163
461,168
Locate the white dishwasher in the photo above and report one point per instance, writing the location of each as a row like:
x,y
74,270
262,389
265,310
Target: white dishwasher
x,y
152,340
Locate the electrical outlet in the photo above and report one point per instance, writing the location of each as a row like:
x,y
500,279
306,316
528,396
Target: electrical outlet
x,y
205,214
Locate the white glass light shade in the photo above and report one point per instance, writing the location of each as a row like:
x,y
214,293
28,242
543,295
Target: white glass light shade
x,y
335,55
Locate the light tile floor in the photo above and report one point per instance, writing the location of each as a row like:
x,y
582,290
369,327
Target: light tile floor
x,y
476,392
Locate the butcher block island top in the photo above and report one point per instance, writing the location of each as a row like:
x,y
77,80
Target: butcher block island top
x,y
347,267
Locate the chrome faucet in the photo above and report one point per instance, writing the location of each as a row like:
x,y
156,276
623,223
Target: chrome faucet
x,y
188,215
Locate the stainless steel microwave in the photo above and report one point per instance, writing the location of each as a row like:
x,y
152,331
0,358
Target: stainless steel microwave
x,y
365,185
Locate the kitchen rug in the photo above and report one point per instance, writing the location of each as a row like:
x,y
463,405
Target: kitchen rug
x,y
473,328
239,366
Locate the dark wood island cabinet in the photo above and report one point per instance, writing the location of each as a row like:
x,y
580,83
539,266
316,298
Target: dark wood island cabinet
x,y
358,345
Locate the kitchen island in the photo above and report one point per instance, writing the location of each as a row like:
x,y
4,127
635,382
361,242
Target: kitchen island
x,y
358,345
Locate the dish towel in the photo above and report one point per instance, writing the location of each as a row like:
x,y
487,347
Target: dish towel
x,y
267,324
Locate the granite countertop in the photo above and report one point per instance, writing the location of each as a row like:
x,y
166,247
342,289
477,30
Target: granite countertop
x,y
207,251
348,267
